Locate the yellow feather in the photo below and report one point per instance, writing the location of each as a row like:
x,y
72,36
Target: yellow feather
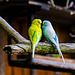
x,y
31,32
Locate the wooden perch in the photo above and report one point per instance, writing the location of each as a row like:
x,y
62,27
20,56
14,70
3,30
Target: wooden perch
x,y
41,48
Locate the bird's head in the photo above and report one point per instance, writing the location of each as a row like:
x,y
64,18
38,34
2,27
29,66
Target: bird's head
x,y
37,22
46,23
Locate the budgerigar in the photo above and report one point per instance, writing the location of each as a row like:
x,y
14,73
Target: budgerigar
x,y
51,36
35,33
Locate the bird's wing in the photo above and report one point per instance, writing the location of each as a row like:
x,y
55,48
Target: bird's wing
x,y
32,35
39,35
56,39
50,32
35,35
51,35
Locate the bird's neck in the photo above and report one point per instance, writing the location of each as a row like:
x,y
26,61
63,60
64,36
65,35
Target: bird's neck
x,y
44,26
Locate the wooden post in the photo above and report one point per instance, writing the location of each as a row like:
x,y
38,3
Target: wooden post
x,y
2,53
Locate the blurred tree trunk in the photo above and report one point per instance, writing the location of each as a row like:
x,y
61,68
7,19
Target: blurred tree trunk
x,y
2,53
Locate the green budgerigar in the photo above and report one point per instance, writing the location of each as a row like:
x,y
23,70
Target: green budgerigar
x,y
35,33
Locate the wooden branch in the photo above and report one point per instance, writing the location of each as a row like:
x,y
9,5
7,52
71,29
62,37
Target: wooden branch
x,y
71,35
57,7
62,8
67,3
41,48
52,2
12,32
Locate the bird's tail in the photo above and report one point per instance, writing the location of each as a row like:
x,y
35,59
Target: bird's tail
x,y
60,53
33,52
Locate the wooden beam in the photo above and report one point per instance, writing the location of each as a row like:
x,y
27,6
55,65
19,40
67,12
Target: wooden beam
x,y
45,63
57,66
54,59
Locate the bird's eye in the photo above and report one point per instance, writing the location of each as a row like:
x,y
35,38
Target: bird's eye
x,y
38,21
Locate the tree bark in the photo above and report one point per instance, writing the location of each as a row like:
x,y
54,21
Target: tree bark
x,y
41,48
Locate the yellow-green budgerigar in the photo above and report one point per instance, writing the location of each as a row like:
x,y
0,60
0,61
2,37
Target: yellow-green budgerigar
x,y
35,33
